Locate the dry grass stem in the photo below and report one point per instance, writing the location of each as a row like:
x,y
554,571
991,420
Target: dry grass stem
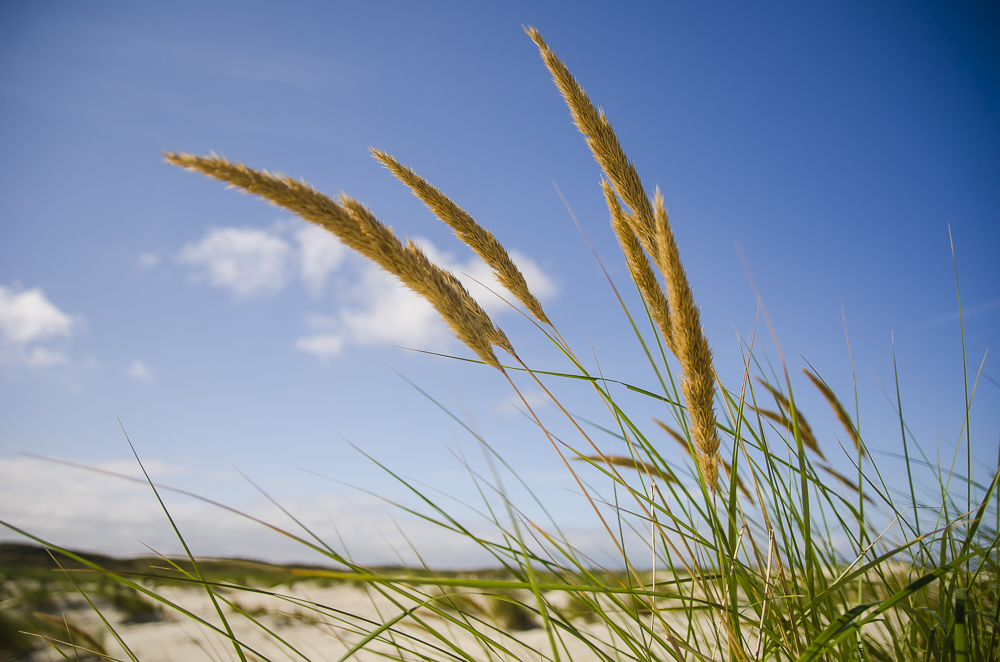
x,y
784,417
357,227
469,231
642,271
630,463
808,439
838,409
844,480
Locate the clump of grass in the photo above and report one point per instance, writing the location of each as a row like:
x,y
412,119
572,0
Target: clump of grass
x,y
509,610
132,606
582,608
790,571
505,608
15,644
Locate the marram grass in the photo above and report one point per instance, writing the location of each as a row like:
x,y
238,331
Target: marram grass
x,y
757,552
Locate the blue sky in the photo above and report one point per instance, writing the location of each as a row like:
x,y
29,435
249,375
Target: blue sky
x,y
834,144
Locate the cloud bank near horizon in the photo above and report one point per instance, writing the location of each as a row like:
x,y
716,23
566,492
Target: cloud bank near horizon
x,y
76,508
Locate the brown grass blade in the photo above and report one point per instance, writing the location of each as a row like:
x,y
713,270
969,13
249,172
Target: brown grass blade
x,y
844,480
808,438
838,409
75,632
638,465
469,231
358,228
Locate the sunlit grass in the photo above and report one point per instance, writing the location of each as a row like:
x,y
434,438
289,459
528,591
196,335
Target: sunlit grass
x,y
762,551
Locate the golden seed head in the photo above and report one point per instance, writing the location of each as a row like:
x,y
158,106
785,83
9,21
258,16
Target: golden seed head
x,y
603,143
652,229
691,349
642,272
358,228
469,231
630,463
838,409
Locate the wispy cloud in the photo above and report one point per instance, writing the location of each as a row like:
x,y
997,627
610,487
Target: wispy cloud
x,y
267,68
140,372
29,323
968,313
147,260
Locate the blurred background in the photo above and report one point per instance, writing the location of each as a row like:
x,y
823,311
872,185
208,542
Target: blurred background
x,y
834,145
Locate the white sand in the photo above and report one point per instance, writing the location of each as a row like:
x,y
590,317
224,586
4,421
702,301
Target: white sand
x,y
317,635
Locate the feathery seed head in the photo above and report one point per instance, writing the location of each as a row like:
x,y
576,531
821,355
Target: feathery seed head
x,y
630,463
838,409
652,229
691,349
358,228
603,144
642,272
465,227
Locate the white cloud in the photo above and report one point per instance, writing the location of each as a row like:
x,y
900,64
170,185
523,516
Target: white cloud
x,y
147,260
28,316
139,371
323,345
28,319
321,254
384,312
514,406
82,509
246,261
